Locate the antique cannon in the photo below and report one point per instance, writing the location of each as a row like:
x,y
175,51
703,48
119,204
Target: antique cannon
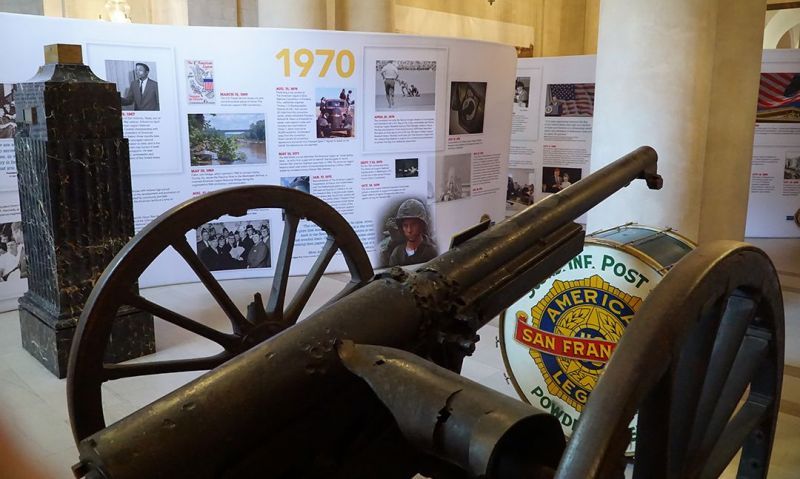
x,y
367,386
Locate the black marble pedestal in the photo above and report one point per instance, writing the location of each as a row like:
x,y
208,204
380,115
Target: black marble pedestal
x,y
74,177
48,338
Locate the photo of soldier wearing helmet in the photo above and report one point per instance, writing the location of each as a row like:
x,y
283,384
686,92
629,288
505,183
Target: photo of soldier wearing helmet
x,y
407,238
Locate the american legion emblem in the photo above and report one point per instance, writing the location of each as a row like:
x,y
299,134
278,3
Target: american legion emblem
x,y
571,333
557,340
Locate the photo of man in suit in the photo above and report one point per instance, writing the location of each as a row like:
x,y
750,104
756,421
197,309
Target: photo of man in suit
x,y
143,91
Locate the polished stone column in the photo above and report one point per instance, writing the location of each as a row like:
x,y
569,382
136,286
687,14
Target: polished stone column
x,y
365,15
681,76
76,203
293,14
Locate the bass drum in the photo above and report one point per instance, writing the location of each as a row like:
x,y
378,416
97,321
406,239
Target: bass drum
x,y
557,339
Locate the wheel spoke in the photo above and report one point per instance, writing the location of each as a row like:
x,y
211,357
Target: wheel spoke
x,y
738,314
751,354
238,321
118,371
689,373
745,421
300,298
227,341
652,432
281,278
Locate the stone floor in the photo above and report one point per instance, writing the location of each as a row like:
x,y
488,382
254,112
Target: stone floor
x,y
33,403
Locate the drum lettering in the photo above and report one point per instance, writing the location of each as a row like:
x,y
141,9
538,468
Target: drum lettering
x,y
562,305
590,295
527,336
575,294
616,306
607,261
619,269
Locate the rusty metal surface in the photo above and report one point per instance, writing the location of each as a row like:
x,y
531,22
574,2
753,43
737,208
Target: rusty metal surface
x,y
117,287
709,336
294,385
481,430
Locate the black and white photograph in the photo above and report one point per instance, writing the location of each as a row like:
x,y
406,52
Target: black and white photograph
x,y
522,89
302,183
569,99
13,261
520,187
555,179
335,112
405,85
791,169
227,139
406,168
467,107
453,175
407,234
137,83
8,118
234,245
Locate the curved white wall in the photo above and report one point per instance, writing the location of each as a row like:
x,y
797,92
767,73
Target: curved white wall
x,y
780,23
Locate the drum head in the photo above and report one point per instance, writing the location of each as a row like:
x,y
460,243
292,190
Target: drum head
x,y
557,339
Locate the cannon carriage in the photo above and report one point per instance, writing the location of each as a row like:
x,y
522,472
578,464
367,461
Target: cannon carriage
x,y
367,386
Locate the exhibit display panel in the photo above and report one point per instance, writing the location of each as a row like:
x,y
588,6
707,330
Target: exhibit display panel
x,y
775,176
365,122
551,135
551,126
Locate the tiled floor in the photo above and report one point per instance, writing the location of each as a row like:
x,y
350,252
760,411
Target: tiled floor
x,y
33,402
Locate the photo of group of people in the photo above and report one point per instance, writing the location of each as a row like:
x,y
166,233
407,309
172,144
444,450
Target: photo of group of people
x,y
405,85
136,83
570,99
467,107
234,245
8,115
555,179
517,192
335,112
454,173
407,236
227,139
791,169
13,262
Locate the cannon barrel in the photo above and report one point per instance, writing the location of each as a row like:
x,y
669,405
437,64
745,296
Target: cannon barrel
x,y
277,402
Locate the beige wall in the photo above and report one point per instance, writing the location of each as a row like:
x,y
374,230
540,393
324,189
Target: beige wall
x,y
502,10
553,27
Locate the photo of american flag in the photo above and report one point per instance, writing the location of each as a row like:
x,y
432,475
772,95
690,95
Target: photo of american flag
x,y
778,90
570,99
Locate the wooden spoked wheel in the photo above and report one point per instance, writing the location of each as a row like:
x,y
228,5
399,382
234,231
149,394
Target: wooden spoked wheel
x,y
702,362
117,288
